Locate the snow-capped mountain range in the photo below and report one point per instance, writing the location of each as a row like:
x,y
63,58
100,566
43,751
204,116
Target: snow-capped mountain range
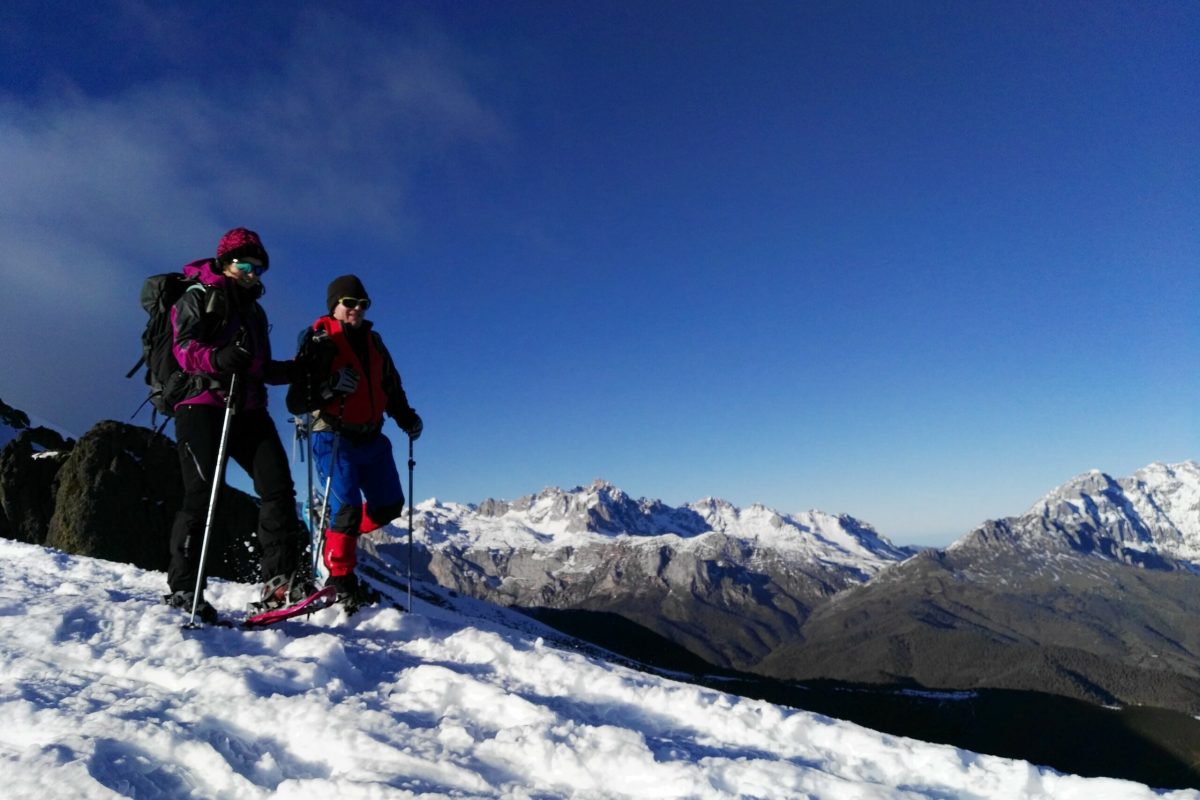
x,y
733,585
726,583
1093,593
601,514
1151,518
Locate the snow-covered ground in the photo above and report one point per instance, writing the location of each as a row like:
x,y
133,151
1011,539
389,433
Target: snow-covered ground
x,y
102,694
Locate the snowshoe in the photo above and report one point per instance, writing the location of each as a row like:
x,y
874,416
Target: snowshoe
x,y
183,600
283,591
352,593
322,598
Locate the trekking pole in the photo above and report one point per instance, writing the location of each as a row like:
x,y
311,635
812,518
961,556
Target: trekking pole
x,y
411,464
337,439
302,448
218,477
333,454
308,497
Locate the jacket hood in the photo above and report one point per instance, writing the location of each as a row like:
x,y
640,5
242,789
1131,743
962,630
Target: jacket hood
x,y
203,270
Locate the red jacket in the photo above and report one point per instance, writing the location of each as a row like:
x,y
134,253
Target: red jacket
x,y
366,404
324,350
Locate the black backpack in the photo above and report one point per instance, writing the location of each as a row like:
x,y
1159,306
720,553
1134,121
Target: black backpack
x,y
313,359
167,381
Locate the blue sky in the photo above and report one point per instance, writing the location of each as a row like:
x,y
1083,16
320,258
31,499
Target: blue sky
x,y
915,262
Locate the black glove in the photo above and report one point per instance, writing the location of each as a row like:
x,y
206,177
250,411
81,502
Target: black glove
x,y
413,426
344,381
231,358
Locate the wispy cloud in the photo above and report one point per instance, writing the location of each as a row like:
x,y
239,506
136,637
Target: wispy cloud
x,y
324,136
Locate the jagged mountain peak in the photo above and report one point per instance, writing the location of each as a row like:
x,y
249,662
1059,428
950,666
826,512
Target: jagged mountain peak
x,y
835,531
555,518
599,508
1088,484
1151,518
598,491
1158,477
713,504
1176,479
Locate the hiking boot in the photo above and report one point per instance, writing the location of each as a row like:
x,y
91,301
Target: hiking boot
x,y
351,592
183,599
285,590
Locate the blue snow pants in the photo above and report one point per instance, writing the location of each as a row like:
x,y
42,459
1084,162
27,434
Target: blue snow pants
x,y
366,469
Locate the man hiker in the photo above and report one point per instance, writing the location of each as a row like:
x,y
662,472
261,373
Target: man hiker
x,y
220,331
345,375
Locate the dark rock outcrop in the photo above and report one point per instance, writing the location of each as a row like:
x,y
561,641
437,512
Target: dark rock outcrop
x,y
13,417
114,495
27,471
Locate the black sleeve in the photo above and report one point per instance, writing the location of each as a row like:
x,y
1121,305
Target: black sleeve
x,y
397,400
310,373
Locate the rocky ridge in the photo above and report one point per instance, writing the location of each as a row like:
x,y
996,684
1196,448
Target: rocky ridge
x,y
112,494
1093,593
729,584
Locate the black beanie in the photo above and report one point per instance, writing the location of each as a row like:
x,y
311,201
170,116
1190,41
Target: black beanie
x,y
344,286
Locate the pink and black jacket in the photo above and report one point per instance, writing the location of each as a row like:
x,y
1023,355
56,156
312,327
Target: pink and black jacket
x,y
205,321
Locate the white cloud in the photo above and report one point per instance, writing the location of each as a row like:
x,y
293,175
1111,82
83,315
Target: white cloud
x,y
99,192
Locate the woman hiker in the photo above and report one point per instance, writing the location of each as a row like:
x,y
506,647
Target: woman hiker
x,y
220,331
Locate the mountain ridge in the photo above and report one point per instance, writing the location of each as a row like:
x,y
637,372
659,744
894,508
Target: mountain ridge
x,y
1043,601
727,583
601,511
1089,594
1151,518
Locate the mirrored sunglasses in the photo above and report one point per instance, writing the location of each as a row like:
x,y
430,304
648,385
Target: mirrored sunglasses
x,y
246,266
352,303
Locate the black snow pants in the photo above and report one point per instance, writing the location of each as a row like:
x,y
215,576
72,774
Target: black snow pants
x,y
254,444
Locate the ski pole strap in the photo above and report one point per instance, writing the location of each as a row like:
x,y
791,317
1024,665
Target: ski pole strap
x,y
136,367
